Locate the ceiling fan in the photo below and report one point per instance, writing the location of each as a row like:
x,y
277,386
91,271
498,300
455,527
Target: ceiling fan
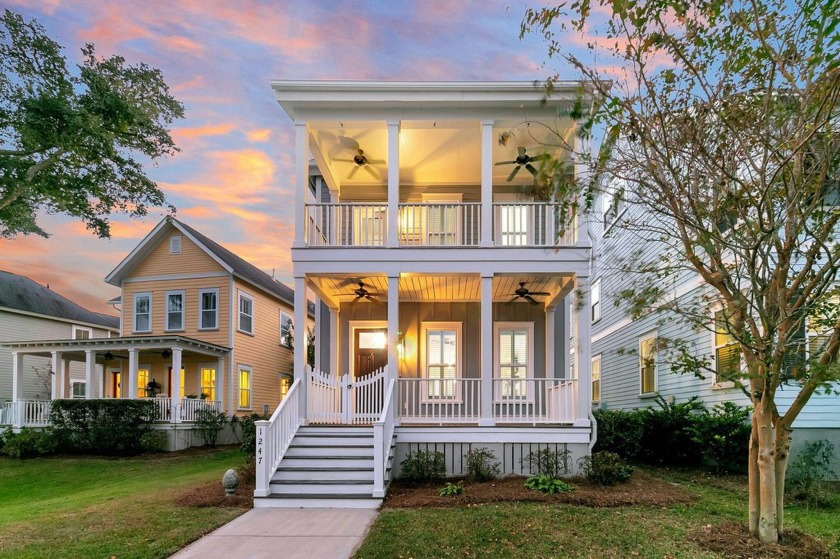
x,y
362,293
361,161
523,292
523,160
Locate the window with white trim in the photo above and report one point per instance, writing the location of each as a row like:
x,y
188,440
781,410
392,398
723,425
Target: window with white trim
x,y
142,312
514,359
596,378
245,376
596,300
442,359
612,204
143,377
208,301
727,351
286,330
81,333
174,311
175,244
207,374
246,313
647,364
78,389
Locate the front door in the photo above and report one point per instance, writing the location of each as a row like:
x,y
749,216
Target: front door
x,y
115,384
370,350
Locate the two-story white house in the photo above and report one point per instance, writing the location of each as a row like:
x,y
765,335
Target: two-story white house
x,y
447,285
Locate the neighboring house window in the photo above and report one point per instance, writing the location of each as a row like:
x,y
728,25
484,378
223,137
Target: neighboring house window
x,y
143,312
246,313
727,351
596,300
647,364
175,244
596,378
143,378
286,329
174,310
514,359
209,309
208,381
442,359
245,387
612,205
80,333
78,389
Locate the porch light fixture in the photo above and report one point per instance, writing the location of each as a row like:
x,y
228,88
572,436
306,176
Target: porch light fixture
x,y
166,354
400,346
108,356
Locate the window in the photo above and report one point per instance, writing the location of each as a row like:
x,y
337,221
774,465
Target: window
x,y
142,312
78,389
647,364
80,333
369,225
442,359
286,330
612,205
208,381
596,300
727,351
443,225
174,310
513,225
208,318
175,244
143,378
246,313
181,384
596,378
514,359
245,387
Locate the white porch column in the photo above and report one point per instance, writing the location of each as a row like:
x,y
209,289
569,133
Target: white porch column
x,y
583,350
333,341
300,341
550,343
175,388
17,371
133,365
301,181
318,338
220,382
486,183
487,419
393,326
57,369
393,182
90,373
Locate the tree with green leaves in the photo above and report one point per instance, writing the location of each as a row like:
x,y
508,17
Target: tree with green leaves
x,y
720,123
74,140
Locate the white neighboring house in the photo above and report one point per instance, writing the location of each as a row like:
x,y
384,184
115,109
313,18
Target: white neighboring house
x,y
445,285
32,311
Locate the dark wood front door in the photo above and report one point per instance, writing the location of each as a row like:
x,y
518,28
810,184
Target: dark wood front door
x,y
370,350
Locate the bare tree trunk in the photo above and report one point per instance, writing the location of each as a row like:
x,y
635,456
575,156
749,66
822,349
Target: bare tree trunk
x,y
767,529
754,484
782,457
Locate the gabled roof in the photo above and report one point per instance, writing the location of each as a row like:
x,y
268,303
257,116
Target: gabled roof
x,y
23,294
225,258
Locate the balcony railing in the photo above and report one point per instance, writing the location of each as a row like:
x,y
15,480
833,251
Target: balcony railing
x,y
515,224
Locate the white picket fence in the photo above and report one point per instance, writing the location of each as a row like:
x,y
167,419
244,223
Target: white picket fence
x,y
335,399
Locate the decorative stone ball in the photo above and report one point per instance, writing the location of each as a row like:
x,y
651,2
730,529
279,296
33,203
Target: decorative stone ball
x,y
230,481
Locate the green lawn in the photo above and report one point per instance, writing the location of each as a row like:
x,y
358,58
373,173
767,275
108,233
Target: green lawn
x,y
532,530
97,507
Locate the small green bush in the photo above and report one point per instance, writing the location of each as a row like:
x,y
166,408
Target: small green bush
x,y
670,433
154,440
481,465
724,436
209,423
806,476
29,443
547,484
423,466
451,489
112,427
248,446
548,462
605,468
620,432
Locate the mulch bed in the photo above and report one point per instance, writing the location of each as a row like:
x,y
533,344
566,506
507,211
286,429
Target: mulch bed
x,y
733,540
213,495
642,489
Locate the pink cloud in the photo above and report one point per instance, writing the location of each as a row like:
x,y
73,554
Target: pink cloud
x,y
258,135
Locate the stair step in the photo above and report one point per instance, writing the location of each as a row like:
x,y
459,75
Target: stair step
x,y
295,451
304,500
322,487
331,461
331,441
286,474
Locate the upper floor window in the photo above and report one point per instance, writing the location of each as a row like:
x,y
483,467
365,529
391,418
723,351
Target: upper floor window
x,y
246,313
647,364
286,329
80,333
612,204
727,350
596,300
142,312
208,309
175,244
174,310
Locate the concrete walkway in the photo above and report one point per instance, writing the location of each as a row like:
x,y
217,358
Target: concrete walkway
x,y
286,534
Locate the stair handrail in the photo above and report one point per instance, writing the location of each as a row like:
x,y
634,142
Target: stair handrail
x,y
274,437
383,432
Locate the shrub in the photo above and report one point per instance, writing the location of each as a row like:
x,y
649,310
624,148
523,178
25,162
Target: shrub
x,y
605,468
481,465
620,432
806,476
451,489
548,462
669,435
29,443
724,436
248,446
547,484
109,426
423,466
209,423
153,440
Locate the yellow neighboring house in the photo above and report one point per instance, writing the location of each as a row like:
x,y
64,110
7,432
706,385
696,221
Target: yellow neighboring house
x,y
189,305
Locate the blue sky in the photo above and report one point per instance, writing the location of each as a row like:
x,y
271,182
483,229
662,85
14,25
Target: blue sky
x,y
233,179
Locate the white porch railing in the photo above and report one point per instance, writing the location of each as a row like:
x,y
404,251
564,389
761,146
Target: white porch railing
x,y
423,400
185,410
455,224
274,437
26,413
357,224
189,407
383,433
532,224
344,399
534,400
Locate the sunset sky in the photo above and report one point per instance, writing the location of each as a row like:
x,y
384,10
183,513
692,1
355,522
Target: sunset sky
x,y
233,179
